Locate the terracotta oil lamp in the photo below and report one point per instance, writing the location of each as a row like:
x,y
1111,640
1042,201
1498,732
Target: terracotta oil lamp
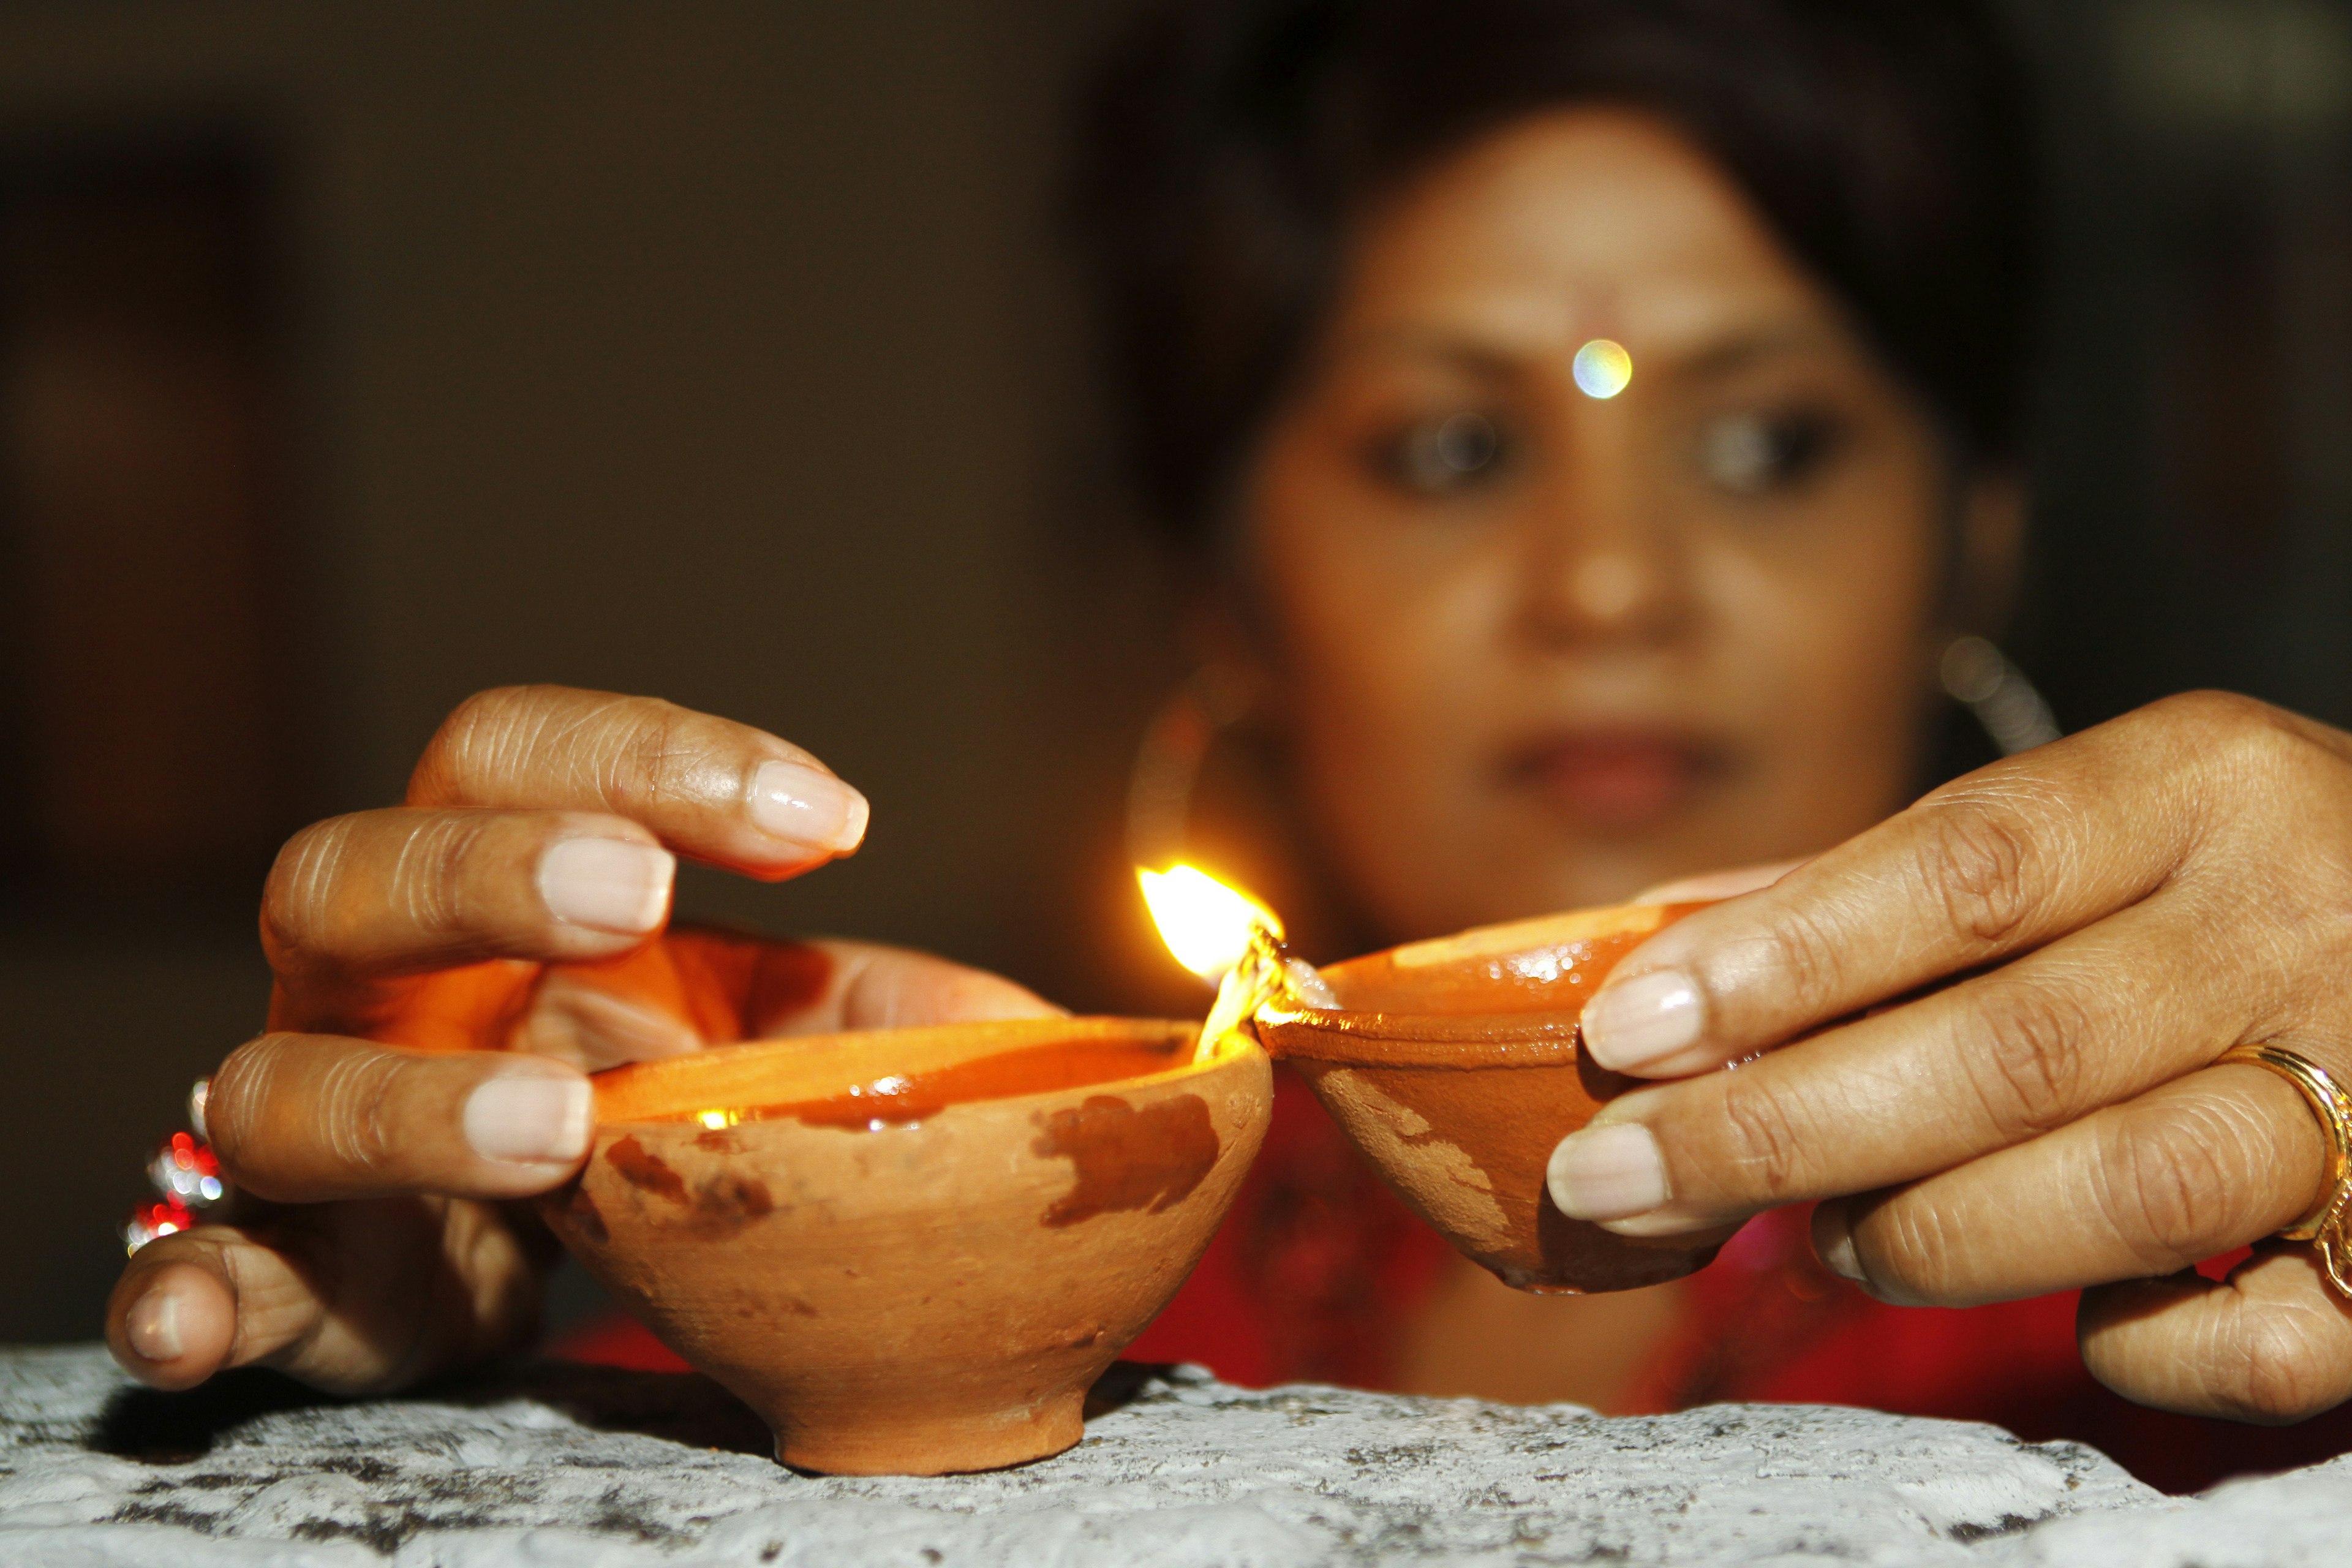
x,y
911,1251
1454,1067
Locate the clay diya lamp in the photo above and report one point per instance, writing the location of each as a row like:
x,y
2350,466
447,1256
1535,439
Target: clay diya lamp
x,y
911,1251
1455,1067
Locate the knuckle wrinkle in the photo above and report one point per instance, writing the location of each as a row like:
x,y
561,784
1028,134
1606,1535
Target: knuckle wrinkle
x,y
2028,1070
238,1101
644,769
2165,1194
1977,865
1807,959
470,760
1765,1141
428,878
298,902
348,1112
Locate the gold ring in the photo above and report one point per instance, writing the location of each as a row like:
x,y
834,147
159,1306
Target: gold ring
x,y
2329,1223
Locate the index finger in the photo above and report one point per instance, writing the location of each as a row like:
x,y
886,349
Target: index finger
x,y
2001,862
303,1119
714,790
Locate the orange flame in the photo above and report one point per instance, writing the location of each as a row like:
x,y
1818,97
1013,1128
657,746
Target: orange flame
x,y
1205,923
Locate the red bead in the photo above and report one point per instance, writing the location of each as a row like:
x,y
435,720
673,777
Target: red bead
x,y
185,1171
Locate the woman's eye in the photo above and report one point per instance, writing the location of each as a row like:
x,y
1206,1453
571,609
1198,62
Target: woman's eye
x,y
1439,456
1753,453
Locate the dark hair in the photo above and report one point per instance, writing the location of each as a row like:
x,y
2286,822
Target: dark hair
x,y
1229,143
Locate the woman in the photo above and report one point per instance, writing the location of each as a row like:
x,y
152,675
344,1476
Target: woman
x,y
1578,639
1533,635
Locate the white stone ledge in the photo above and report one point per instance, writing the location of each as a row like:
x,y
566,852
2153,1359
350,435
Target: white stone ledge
x,y
572,1465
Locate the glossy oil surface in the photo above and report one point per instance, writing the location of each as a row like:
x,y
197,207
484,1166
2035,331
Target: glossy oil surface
x,y
896,1099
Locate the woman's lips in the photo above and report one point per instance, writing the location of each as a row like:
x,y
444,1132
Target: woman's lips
x,y
1618,779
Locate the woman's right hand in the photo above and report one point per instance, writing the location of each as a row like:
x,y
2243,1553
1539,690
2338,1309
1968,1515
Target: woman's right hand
x,y
447,973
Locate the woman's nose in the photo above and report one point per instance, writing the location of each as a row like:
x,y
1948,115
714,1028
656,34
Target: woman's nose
x,y
1607,587
1603,561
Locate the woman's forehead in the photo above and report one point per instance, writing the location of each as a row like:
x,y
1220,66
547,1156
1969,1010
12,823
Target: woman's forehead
x,y
1568,227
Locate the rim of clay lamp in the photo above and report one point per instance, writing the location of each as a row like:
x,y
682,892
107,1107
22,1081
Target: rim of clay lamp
x,y
1458,1040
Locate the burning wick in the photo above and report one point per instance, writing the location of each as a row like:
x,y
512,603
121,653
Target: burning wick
x,y
1225,937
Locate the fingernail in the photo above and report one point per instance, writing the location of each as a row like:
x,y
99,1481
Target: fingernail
x,y
152,1325
1833,1241
1642,1020
1607,1173
606,884
530,1120
807,806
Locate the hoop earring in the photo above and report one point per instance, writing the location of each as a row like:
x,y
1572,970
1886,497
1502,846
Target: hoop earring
x,y
1980,678
1169,759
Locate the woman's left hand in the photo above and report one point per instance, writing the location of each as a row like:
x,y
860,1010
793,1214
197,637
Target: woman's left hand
x,y
2100,919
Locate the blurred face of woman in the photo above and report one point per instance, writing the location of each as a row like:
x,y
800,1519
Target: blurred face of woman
x,y
1538,649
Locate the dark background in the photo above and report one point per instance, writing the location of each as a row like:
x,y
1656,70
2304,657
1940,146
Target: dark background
x,y
355,358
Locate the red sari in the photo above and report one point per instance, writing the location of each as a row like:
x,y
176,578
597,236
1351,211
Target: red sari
x,y
1318,1262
